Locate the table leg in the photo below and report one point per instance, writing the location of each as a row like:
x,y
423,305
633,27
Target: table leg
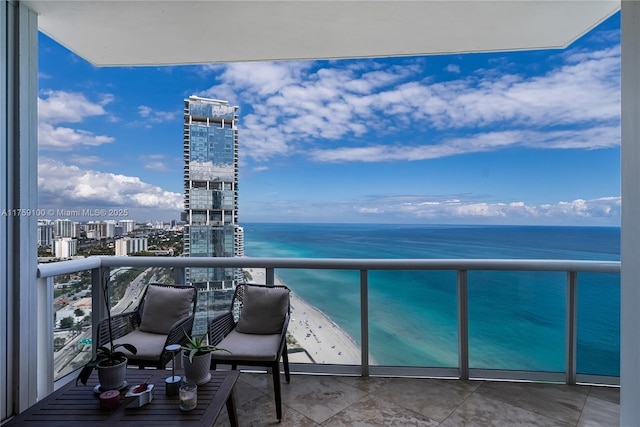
x,y
231,410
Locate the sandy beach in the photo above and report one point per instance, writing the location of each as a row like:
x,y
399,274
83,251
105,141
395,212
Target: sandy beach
x,y
322,340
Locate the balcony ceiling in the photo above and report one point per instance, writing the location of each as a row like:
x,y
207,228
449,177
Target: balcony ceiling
x,y
111,33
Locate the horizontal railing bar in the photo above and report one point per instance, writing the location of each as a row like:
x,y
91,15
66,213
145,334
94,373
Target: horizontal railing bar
x,y
65,267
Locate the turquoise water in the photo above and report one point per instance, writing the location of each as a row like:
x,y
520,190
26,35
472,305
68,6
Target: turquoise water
x,y
516,319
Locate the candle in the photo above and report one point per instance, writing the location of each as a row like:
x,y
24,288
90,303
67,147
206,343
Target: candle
x,y
188,396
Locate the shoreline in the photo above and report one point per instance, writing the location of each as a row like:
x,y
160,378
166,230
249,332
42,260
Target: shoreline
x,y
321,339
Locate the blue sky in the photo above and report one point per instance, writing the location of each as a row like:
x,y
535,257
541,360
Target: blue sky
x,y
502,138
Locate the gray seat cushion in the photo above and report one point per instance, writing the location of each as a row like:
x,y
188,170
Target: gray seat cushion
x,y
263,310
256,348
163,306
149,345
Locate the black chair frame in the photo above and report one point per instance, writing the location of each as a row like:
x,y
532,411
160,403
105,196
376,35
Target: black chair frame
x,y
221,325
124,323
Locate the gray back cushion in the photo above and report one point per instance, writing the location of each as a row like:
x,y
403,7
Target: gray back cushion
x,y
163,306
263,310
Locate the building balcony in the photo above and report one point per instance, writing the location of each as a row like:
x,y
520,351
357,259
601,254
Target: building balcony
x,y
365,390
312,400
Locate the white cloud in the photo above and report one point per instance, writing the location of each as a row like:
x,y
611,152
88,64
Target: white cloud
x,y
63,186
452,68
68,107
151,116
590,138
84,160
64,138
305,107
461,209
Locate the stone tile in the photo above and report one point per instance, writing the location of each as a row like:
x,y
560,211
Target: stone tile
x,y
375,412
558,401
261,412
482,411
261,381
434,399
599,412
367,384
245,392
610,394
320,397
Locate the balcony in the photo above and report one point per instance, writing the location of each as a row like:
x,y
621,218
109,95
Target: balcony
x,y
373,401
336,394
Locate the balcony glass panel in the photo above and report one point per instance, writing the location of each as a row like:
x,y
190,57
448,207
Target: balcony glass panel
x,y
517,320
126,285
598,324
72,322
413,318
336,294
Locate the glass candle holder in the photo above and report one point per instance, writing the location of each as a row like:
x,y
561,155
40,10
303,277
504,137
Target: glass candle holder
x,y
188,396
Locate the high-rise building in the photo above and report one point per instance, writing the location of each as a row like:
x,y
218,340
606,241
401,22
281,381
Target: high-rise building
x,y
65,247
210,198
45,232
128,225
63,228
130,245
110,228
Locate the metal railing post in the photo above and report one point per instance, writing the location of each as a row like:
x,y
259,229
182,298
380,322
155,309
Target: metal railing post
x,y
571,342
364,321
98,307
270,276
463,325
45,321
178,275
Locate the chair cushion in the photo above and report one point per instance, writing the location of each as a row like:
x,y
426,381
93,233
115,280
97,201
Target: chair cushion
x,y
149,345
164,306
257,348
263,310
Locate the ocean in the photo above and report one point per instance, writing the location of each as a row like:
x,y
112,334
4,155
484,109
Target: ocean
x,y
516,319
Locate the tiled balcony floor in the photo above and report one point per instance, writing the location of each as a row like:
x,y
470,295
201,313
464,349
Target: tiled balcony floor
x,y
354,401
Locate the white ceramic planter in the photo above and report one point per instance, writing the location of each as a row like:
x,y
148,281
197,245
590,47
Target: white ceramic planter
x,y
198,371
112,377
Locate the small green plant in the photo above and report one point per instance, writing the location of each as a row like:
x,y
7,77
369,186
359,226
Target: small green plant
x,y
105,356
196,345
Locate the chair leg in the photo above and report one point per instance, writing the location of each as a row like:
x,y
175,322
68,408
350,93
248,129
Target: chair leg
x,y
276,389
285,362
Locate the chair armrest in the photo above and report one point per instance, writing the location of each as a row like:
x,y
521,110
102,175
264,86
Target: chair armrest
x,y
121,325
178,330
219,327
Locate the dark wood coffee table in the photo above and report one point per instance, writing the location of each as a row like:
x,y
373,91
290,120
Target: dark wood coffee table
x,y
78,405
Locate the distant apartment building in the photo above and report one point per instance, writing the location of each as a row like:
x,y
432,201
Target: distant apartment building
x,y
128,225
95,230
63,228
65,247
211,198
45,233
109,229
130,245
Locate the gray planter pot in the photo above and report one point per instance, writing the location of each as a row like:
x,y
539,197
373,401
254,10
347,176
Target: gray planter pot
x,y
112,377
198,371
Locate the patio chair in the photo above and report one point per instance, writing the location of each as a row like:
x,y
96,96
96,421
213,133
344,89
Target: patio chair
x,y
253,332
162,317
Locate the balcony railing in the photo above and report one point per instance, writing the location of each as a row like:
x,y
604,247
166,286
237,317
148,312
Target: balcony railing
x,y
99,266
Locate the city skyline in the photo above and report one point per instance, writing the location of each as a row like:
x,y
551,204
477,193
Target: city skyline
x,y
503,138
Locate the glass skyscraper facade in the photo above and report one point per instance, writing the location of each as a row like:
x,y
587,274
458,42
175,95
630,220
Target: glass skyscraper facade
x,y
211,200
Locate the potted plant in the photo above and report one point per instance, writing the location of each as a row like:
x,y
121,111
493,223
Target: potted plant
x,y
196,359
111,363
